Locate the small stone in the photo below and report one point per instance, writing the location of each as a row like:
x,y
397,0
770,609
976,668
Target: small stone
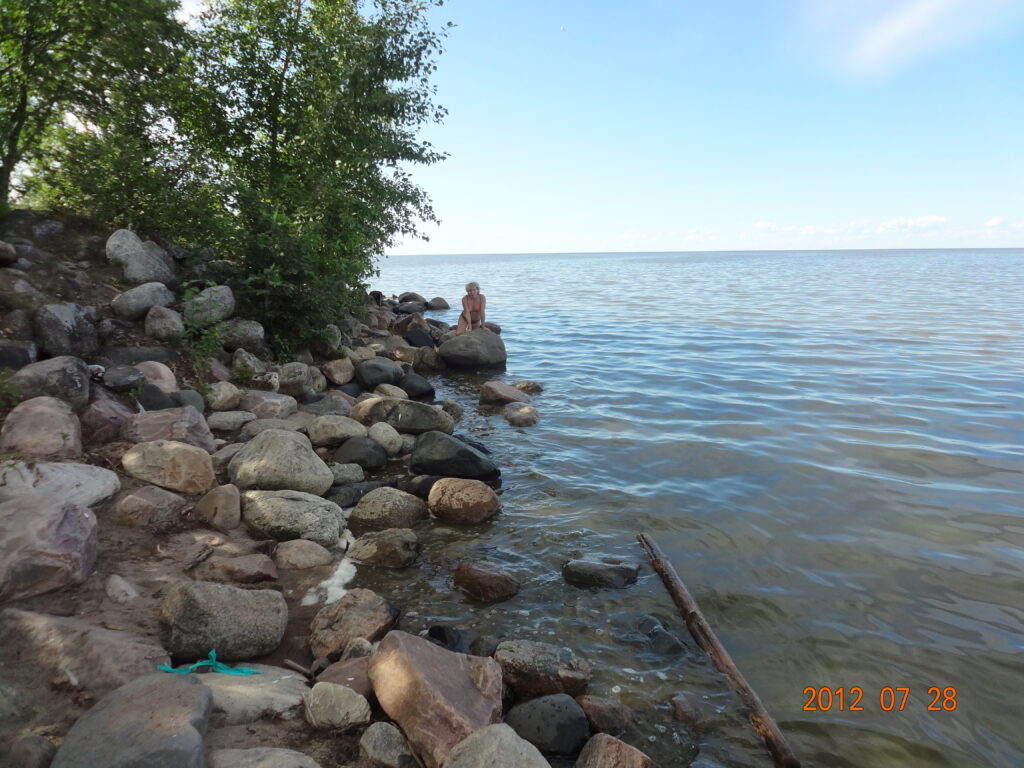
x,y
521,415
120,590
229,421
605,715
387,437
529,387
336,707
486,581
555,724
245,569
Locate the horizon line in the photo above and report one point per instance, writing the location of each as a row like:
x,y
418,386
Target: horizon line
x,y
715,250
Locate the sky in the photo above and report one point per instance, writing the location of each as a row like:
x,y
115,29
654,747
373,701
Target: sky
x,y
688,125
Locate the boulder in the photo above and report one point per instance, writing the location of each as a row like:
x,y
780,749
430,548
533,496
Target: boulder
x,y
591,573
411,296
349,495
46,544
243,334
66,329
65,377
43,427
169,464
520,414
164,324
529,387
275,693
437,697
157,721
437,303
152,398
496,746
387,437
232,421
406,416
224,396
388,508
198,616
100,659
499,393
222,458
487,582
462,502
340,371
254,427
104,418
260,757
134,355
140,264
300,553
15,354
474,349
268,405
453,409
359,613
294,379
332,403
555,724
220,508
418,338
377,370
347,473
150,507
186,425
336,707
605,715
122,378
286,515
136,302
382,744
390,390
352,671
159,375
538,669
31,752
60,481
120,590
416,386
604,751
209,307
437,453
334,430
364,451
278,459
390,548
428,360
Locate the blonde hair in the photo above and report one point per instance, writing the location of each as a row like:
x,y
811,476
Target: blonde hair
x,y
474,284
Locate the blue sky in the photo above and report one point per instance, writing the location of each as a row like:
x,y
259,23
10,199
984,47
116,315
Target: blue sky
x,y
585,125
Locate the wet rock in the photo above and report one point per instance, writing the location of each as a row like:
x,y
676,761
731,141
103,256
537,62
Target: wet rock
x,y
134,303
185,425
437,697
499,393
65,329
151,508
286,515
332,403
244,569
60,481
152,398
224,396
336,707
529,387
349,495
300,553
555,724
260,757
521,415
496,746
220,508
46,544
384,745
159,375
140,264
197,617
437,453
333,430
486,581
476,348
43,427
340,371
406,416
347,473
427,360
462,502
172,465
231,421
100,659
65,377
364,451
604,751
605,715
163,324
121,378
390,548
660,639
688,707
592,573
157,721
104,418
278,459
388,508
243,334
209,307
359,613
268,405
386,436
539,669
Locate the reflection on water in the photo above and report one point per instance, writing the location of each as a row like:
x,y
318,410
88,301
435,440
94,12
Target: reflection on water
x,y
826,445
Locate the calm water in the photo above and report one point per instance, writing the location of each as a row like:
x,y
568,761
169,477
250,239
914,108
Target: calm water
x,y
828,446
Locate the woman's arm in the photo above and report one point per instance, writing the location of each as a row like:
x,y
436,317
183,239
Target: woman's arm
x,y
483,309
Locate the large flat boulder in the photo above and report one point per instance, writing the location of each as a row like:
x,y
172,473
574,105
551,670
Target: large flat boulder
x,y
437,697
66,329
156,721
287,515
65,377
275,693
170,464
44,427
406,416
62,481
474,349
278,459
186,425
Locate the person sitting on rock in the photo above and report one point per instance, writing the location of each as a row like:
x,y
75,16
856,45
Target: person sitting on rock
x,y
474,307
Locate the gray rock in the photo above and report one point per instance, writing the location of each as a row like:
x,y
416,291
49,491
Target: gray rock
x,y
268,405
382,744
164,324
496,746
278,459
222,458
140,263
82,483
387,437
65,329
416,386
364,451
17,354
245,363
121,378
8,254
229,421
555,724
286,515
437,303
156,721
437,453
336,707
300,553
347,473
190,397
378,370
223,396
406,416
134,303
590,573
334,430
476,348
31,752
275,693
243,334
152,398
294,379
349,495
209,307
389,508
197,617
260,757
390,548
104,418
134,355
253,428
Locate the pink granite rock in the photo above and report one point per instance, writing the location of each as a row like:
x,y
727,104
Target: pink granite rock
x,y
185,425
150,507
44,427
220,508
604,751
359,613
462,501
497,393
105,418
160,375
170,464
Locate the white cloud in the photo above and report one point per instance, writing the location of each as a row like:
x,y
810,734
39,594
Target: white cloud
x,y
996,221
906,225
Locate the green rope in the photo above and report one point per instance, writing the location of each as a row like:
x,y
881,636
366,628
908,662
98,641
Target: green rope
x,y
213,664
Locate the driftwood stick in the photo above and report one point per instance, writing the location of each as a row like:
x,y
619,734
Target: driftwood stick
x,y
701,631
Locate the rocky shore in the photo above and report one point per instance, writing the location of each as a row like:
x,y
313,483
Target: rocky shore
x,y
155,508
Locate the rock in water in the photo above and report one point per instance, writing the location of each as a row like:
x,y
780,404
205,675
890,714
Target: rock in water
x,y
157,721
604,751
554,724
439,454
476,348
537,669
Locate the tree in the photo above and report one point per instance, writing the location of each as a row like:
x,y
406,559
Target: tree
x,y
63,55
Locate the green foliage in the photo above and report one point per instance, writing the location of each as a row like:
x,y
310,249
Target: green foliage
x,y
201,341
9,394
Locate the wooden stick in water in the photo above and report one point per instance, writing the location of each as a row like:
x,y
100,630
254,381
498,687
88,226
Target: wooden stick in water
x,y
701,631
